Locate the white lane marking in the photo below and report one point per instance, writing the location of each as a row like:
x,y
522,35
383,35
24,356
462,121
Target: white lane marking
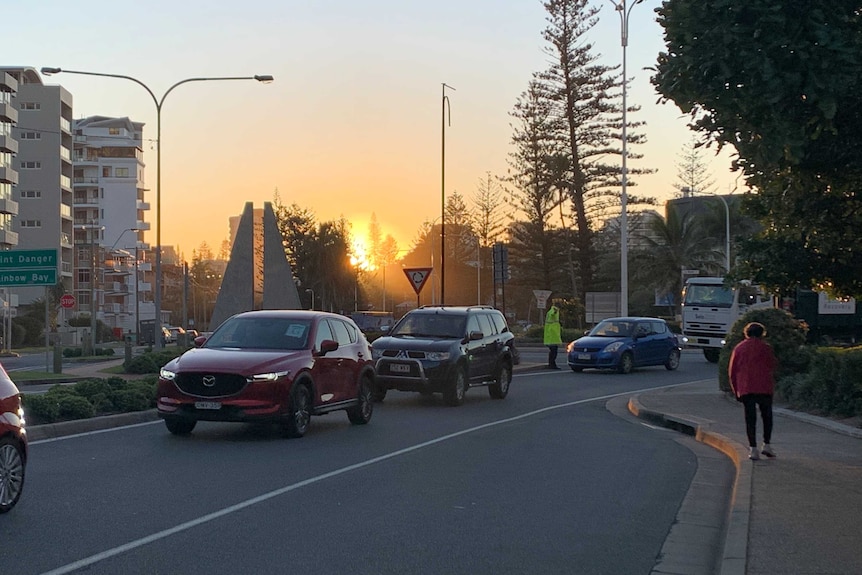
x,y
94,432
131,545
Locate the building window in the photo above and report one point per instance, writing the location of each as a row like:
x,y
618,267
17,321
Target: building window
x,y
114,131
31,106
106,171
31,165
29,194
31,223
31,135
121,172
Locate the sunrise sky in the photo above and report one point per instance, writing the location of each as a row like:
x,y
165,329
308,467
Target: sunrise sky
x,y
352,124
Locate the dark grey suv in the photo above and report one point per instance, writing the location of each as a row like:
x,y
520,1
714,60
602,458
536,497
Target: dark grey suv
x,y
446,349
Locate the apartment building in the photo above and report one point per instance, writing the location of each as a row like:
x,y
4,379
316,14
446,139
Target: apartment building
x,y
8,148
43,161
109,211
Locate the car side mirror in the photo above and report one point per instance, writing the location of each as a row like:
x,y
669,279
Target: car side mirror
x,y
326,346
475,335
199,340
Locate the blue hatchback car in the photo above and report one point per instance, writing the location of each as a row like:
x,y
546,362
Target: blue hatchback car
x,y
624,343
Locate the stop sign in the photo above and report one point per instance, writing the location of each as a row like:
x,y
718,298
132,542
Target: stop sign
x,y
67,300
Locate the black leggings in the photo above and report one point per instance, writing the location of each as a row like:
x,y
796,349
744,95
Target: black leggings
x,y
751,401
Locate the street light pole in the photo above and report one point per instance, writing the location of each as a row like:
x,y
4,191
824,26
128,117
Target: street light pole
x,y
445,108
158,102
623,10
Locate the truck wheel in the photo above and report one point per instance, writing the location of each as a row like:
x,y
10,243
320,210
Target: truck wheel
x,y
711,354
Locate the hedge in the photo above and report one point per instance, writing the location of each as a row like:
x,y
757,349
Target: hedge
x,y
90,398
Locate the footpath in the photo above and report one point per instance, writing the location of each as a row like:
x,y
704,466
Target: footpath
x,y
797,513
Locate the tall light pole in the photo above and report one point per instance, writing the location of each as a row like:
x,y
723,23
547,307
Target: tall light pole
x,y
92,228
623,10
158,102
136,230
445,108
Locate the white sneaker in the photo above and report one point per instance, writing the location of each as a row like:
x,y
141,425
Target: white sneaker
x,y
754,454
767,450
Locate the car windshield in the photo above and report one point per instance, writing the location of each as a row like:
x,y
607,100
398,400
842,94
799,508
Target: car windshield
x,y
262,333
612,328
431,325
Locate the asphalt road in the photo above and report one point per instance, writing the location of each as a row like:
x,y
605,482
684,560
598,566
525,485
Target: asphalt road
x,y
545,481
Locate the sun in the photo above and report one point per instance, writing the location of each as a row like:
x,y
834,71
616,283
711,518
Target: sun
x,y
359,257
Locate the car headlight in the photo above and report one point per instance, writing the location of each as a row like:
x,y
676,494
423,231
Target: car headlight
x,y
167,374
264,377
615,346
570,346
437,355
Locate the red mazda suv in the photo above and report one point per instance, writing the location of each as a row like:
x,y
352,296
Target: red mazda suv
x,y
280,366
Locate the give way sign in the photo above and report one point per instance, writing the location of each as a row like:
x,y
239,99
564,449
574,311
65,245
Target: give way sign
x,y
417,277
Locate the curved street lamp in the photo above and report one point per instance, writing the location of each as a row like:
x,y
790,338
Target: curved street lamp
x,y
623,10
445,108
158,102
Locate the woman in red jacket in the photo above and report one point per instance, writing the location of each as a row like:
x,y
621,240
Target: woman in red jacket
x,y
751,374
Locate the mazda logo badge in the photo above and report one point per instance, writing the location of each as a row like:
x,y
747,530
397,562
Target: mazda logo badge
x,y
209,380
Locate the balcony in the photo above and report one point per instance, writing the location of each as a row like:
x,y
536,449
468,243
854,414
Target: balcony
x,y
8,238
81,182
8,175
65,154
8,113
8,206
8,144
66,125
144,206
143,226
66,183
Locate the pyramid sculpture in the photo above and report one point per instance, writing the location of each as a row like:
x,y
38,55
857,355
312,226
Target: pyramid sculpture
x,y
237,288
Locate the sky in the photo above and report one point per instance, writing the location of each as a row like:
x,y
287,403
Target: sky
x,y
352,124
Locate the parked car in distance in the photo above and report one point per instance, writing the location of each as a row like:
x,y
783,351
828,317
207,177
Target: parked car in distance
x,y
446,349
279,366
13,443
624,343
174,334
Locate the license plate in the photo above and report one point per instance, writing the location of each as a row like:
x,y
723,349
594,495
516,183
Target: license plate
x,y
584,356
207,405
399,368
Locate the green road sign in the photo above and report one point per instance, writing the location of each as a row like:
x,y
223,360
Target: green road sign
x,y
27,259
40,277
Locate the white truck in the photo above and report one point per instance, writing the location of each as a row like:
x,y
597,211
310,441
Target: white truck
x,y
709,309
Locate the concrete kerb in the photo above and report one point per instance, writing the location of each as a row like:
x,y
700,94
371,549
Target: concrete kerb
x,y
733,560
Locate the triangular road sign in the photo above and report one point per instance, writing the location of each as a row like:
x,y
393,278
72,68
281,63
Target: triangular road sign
x,y
417,277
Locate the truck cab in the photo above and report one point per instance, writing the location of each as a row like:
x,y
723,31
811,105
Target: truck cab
x,y
709,309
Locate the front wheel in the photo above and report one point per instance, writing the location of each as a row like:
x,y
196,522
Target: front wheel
x,y
672,360
299,412
179,425
11,473
454,393
627,362
711,354
360,414
500,388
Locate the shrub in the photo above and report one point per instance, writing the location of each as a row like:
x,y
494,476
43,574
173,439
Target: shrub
x,y
40,408
785,334
151,361
89,398
72,352
832,385
76,407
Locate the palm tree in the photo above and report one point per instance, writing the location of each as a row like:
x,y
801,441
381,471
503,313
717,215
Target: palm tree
x,y
672,245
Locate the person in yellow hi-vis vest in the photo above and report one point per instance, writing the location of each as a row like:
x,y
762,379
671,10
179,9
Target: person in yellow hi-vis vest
x,y
552,334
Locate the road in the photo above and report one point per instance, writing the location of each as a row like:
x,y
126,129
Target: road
x,y
545,481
